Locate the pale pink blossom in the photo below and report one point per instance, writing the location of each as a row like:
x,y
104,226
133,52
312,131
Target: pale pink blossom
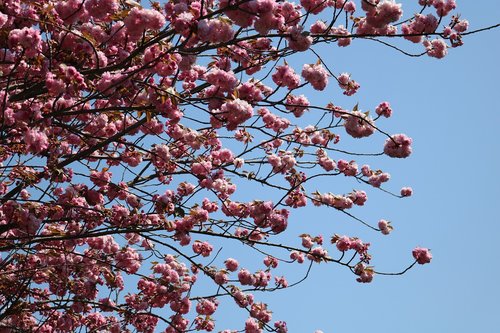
x,y
286,76
316,75
422,255
436,48
359,125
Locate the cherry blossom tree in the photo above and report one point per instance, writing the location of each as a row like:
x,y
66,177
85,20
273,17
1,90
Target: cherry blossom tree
x,y
133,137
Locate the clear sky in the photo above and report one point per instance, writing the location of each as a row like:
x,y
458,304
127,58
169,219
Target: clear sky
x,y
450,108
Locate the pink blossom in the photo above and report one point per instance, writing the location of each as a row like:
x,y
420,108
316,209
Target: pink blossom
x,y
349,86
281,281
140,20
206,306
385,12
461,26
223,80
358,197
269,20
398,145
406,191
99,9
297,104
128,260
317,254
299,40
384,109
421,24
286,76
27,39
316,75
36,141
359,125
252,326
343,243
233,112
365,273
314,6
271,261
422,255
350,7
100,178
245,277
385,227
260,312
377,178
436,48
443,7
298,256
341,31
231,264
203,248
318,27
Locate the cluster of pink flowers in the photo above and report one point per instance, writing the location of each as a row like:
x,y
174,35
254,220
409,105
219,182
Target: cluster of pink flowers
x,y
317,254
384,109
341,31
349,86
345,243
316,75
139,20
347,168
100,178
314,6
340,202
422,255
27,40
277,124
364,272
214,31
383,13
436,48
203,248
359,125
36,141
100,9
443,7
282,163
385,227
128,260
398,145
324,161
232,113
206,306
406,192
297,104
223,80
286,76
421,24
308,241
299,40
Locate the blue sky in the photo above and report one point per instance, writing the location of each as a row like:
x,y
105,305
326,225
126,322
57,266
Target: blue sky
x,y
450,109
